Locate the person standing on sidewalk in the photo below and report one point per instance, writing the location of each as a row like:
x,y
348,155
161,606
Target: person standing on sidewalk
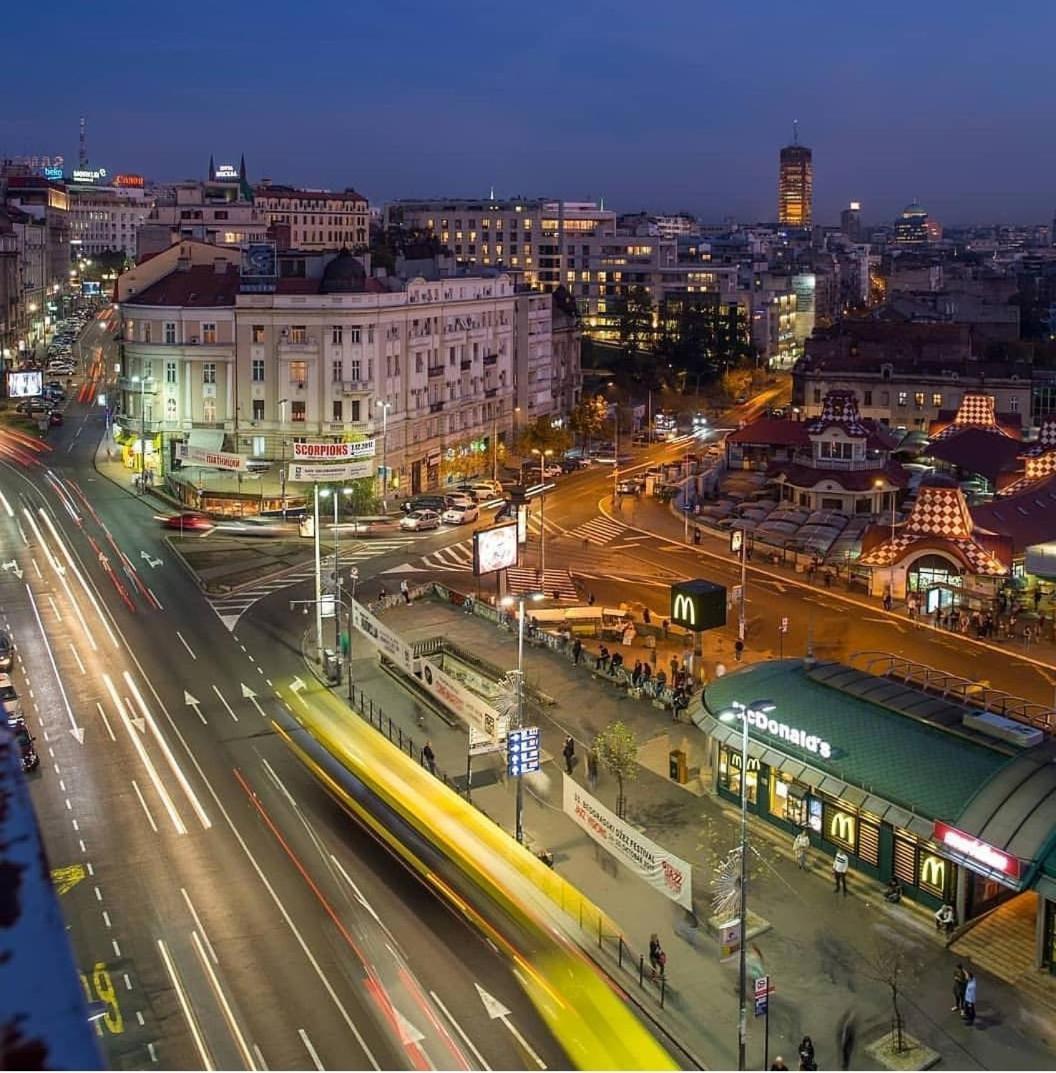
x,y
657,957
840,864
800,845
960,978
577,652
405,591
569,753
592,769
969,998
806,1054
429,757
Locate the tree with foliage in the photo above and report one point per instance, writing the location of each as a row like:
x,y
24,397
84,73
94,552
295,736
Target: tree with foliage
x,y
636,330
589,418
463,460
541,435
701,339
617,751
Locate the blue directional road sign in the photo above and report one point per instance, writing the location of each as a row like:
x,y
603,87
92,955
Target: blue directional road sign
x,y
522,751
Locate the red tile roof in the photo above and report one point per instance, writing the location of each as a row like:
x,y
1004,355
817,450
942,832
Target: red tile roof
x,y
772,432
1027,518
853,480
197,286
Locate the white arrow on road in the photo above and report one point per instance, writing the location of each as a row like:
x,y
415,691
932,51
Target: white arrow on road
x,y
145,556
15,568
249,695
193,702
497,1012
409,1035
296,685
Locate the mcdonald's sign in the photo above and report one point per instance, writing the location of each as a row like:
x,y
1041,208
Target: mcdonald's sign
x,y
841,827
698,605
933,872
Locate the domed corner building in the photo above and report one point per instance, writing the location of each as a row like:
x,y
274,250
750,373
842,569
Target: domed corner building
x,y
938,552
345,274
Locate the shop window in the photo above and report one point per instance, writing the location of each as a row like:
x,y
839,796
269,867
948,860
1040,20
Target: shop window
x,y
840,827
730,773
905,861
868,842
788,799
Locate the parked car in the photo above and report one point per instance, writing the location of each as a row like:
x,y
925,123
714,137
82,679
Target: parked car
x,y
437,503
7,652
460,499
9,699
420,519
630,486
460,515
18,728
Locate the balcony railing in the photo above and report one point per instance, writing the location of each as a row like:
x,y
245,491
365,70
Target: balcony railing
x,y
436,407
437,370
355,387
490,359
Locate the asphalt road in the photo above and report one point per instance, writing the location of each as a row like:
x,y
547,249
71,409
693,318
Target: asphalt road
x,y
228,913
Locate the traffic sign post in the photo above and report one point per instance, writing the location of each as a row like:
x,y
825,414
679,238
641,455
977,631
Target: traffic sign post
x,y
522,751
763,990
782,630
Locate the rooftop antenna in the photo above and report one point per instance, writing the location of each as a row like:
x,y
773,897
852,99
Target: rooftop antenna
x,y
795,132
82,154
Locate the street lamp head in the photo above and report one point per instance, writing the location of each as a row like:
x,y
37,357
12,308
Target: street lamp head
x,y
347,491
136,379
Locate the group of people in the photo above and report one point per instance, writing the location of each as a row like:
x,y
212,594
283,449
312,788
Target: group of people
x,y
806,1056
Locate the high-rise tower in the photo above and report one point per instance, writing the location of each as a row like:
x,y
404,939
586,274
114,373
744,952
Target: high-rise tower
x,y
795,184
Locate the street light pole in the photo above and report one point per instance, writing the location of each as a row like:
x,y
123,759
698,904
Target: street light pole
x,y
385,406
742,711
543,455
282,449
744,582
318,586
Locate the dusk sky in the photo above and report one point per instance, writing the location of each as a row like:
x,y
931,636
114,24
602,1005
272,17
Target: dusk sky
x,y
678,105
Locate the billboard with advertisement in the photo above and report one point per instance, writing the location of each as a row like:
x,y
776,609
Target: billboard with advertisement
x,y
332,451
24,385
199,456
474,711
386,641
663,871
494,548
306,473
260,267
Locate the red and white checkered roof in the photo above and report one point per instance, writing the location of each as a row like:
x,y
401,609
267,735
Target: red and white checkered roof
x,y
976,411
939,512
839,408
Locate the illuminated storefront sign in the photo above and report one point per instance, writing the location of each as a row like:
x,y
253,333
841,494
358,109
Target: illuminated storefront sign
x,y
802,739
320,451
52,173
973,851
841,827
698,605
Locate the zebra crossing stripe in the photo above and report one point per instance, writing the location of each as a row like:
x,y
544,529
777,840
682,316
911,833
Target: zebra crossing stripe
x,y
598,530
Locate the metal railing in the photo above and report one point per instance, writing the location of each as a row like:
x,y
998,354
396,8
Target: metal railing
x,y
965,691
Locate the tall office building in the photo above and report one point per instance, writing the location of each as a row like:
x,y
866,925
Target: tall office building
x,y
795,185
851,221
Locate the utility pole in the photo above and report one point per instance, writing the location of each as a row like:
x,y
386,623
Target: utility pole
x,y
318,586
282,448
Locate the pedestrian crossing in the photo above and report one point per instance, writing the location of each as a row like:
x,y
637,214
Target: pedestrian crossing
x,y
232,606
523,579
599,530
458,557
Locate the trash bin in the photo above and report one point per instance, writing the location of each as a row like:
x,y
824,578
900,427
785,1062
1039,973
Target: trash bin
x,y
677,767
331,665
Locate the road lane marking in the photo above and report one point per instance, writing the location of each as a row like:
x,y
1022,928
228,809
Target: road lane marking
x,y
186,645
75,730
230,710
143,802
225,1006
106,722
76,657
458,1028
54,608
172,761
181,995
278,782
312,1053
198,924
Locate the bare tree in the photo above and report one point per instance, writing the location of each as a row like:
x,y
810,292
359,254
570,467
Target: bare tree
x,y
889,964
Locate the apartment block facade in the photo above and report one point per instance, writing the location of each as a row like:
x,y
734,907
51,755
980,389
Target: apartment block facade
x,y
426,366
317,219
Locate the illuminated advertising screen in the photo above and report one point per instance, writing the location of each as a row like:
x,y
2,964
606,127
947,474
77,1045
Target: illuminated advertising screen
x,y
494,548
24,385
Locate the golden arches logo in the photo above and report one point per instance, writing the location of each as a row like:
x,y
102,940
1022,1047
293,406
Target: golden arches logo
x,y
933,872
683,609
841,827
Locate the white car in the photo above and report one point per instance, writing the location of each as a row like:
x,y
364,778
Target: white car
x,y
420,519
460,499
9,701
459,515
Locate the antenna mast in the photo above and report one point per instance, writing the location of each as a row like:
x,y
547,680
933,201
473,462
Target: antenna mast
x,y
82,155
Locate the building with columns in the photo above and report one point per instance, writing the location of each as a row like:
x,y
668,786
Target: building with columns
x,y
422,362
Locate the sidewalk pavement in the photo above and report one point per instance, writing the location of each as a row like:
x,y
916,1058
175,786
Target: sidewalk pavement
x,y
819,946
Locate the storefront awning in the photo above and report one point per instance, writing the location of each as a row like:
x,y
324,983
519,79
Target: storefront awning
x,y
209,439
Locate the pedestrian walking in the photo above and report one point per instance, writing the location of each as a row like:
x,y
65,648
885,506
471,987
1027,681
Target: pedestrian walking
x,y
674,667
429,758
647,617
590,599
636,673
569,753
840,864
800,845
577,651
778,1063
969,998
806,1054
960,979
1037,597
657,957
592,768
405,591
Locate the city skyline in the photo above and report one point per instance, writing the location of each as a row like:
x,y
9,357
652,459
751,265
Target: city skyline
x,y
476,105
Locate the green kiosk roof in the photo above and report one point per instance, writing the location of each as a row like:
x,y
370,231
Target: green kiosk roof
x,y
929,771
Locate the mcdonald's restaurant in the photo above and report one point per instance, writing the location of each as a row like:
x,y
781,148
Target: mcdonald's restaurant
x,y
906,783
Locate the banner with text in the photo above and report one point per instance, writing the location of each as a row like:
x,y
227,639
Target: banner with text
x,y
453,695
321,451
667,873
311,473
386,641
199,456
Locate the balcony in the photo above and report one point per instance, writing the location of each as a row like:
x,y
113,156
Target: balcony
x,y
436,370
491,392
467,363
490,359
436,407
306,349
353,387
126,383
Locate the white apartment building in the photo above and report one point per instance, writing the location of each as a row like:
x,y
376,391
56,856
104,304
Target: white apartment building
x,y
106,218
425,366
317,219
